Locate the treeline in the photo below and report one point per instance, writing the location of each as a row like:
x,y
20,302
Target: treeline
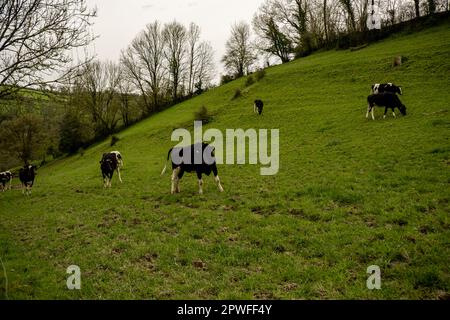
x,y
162,66
289,29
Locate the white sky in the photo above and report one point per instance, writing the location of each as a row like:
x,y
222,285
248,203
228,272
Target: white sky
x,y
119,21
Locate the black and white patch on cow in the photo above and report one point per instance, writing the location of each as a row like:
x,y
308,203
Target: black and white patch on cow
x,y
198,158
386,87
110,162
258,107
119,158
6,180
387,100
27,174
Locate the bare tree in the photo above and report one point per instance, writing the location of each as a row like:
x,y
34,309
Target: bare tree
x,y
350,13
204,68
124,90
239,55
36,40
417,8
268,28
98,83
143,61
193,37
174,35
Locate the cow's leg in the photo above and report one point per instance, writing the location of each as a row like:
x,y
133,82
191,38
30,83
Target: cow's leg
x,y
10,184
368,111
118,173
393,113
175,179
179,176
200,182
385,112
216,178
254,108
373,114
23,188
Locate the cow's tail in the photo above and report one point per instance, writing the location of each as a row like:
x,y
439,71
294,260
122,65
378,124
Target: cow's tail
x,y
167,160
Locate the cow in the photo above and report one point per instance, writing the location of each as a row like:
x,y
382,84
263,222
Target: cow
x,y
386,87
198,158
27,175
258,107
119,158
6,180
110,162
388,100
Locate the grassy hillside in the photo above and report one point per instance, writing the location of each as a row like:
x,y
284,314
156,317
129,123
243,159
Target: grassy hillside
x,y
350,193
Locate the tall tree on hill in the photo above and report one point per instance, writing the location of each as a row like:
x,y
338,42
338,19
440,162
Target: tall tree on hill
x,y
271,38
239,55
37,38
99,82
350,12
143,63
193,37
174,35
204,67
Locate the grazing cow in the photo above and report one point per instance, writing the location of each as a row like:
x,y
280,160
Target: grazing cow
x,y
197,158
388,100
26,176
6,180
110,162
386,87
258,107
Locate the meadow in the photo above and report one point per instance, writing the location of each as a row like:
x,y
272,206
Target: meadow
x,y
350,193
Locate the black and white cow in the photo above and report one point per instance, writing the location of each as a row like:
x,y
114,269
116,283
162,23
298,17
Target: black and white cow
x,y
27,175
111,162
386,87
198,158
388,100
6,180
258,107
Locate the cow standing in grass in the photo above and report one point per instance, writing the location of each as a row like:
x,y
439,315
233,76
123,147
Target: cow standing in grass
x,y
258,107
198,158
6,180
111,162
387,100
27,175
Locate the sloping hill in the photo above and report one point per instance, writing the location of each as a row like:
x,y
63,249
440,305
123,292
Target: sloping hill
x,y
350,193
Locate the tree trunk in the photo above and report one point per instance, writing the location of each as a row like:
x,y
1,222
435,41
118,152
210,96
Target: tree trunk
x,y
417,7
325,21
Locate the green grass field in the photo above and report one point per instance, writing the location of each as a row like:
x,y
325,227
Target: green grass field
x,y
350,193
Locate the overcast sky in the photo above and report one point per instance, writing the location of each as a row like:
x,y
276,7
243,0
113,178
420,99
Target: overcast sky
x,y
119,21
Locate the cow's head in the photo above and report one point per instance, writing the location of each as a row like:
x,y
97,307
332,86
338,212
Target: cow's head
x,y
402,109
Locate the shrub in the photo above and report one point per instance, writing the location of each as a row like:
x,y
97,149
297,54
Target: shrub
x,y
260,74
249,81
114,140
203,115
226,78
237,93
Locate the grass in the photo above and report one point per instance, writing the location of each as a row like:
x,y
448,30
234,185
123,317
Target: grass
x,y
350,193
